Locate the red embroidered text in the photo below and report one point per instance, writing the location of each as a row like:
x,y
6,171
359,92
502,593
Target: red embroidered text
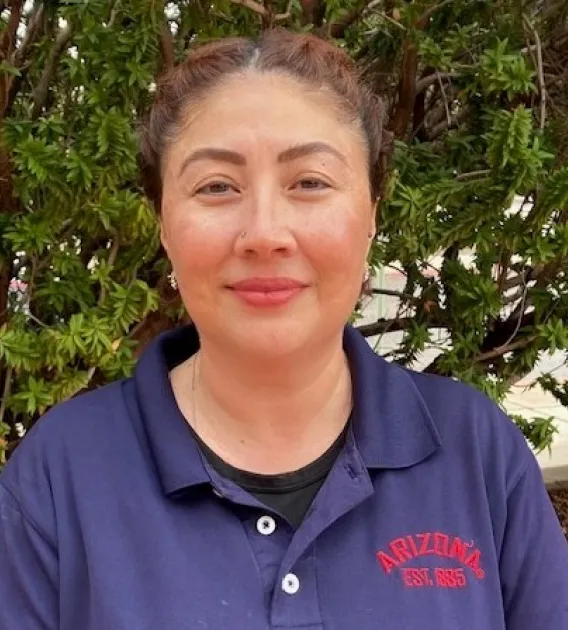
x,y
401,550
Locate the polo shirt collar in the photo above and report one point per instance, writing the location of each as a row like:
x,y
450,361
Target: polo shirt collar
x,y
391,424
174,451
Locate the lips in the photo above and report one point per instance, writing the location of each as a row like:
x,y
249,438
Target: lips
x,y
260,292
267,285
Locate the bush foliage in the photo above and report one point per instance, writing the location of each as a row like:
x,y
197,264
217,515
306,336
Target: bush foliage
x,y
476,175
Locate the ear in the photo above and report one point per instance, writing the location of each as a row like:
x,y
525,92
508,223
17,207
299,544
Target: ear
x,y
163,237
373,213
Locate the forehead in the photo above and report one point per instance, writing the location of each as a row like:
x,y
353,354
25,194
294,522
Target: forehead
x,y
270,110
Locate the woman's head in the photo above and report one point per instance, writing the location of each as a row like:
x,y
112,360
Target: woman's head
x,y
262,160
314,62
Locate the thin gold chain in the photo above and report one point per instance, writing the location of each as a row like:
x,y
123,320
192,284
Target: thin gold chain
x,y
193,390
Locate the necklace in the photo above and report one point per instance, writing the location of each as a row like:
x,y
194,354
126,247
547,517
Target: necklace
x,y
193,391
194,418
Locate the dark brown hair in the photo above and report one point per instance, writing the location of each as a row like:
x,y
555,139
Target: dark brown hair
x,y
307,58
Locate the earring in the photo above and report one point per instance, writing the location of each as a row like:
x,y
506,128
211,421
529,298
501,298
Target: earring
x,y
173,280
367,274
366,284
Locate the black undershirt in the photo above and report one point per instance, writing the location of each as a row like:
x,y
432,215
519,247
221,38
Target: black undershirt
x,y
289,494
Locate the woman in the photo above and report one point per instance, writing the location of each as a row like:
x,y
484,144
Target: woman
x,y
266,469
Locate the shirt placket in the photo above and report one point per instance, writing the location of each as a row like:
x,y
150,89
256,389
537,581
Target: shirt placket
x,y
269,536
295,601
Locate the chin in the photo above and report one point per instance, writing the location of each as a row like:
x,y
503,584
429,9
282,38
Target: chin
x,y
273,338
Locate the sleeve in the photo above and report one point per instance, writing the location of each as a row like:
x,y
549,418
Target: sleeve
x,y
28,571
534,558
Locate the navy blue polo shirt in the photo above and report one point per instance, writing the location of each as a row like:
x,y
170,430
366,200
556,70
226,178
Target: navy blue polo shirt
x,y
434,516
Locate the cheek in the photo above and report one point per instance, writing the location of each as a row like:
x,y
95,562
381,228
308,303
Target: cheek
x,y
195,248
338,251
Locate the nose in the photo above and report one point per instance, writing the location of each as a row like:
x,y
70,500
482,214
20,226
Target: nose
x,y
266,229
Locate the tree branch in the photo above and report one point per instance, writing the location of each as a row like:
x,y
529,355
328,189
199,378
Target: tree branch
x,y
418,118
385,325
42,89
434,366
438,129
253,5
113,13
8,39
34,30
395,324
312,12
167,46
426,82
425,17
406,90
501,350
445,100
511,299
460,177
521,278
521,310
407,84
389,19
420,301
540,71
7,46
436,110
503,271
280,17
337,29
398,294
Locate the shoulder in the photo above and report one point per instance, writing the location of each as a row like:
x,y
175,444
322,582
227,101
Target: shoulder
x,y
460,404
68,436
469,422
453,398
87,415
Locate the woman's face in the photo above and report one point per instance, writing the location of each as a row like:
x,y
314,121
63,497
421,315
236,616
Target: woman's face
x,y
266,215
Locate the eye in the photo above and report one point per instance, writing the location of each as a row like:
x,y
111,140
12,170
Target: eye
x,y
311,183
215,189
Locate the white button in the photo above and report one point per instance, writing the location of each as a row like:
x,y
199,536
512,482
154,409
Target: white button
x,y
291,584
266,525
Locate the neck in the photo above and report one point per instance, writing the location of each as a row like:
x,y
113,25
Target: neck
x,y
266,419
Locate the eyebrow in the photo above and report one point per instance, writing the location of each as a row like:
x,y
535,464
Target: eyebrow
x,y
232,157
309,148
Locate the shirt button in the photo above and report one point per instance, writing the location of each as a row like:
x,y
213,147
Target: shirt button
x,y
291,584
266,525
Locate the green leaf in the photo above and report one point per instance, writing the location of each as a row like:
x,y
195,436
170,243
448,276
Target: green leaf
x,y
9,69
539,431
